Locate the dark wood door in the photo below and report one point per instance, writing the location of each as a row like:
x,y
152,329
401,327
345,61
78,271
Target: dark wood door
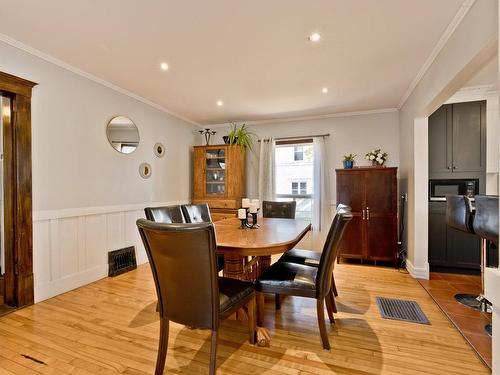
x,y
381,230
351,189
353,239
440,136
469,131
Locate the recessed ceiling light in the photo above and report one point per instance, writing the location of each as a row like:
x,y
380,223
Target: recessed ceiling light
x,y
324,90
164,66
220,103
314,37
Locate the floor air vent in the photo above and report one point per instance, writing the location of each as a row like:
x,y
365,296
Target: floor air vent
x,y
121,261
398,309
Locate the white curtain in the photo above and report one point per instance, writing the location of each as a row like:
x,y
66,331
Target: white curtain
x,y
321,204
266,169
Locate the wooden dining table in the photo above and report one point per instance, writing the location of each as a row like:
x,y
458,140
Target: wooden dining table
x,y
247,252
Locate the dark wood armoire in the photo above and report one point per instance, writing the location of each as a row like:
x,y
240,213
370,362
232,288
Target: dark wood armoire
x,y
372,194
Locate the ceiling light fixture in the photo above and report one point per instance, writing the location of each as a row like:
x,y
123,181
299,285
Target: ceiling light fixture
x,y
314,37
220,103
325,90
164,66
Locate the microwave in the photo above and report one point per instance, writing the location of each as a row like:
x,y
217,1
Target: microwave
x,y
439,189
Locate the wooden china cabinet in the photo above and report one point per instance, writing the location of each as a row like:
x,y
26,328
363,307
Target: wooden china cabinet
x,y
219,179
372,195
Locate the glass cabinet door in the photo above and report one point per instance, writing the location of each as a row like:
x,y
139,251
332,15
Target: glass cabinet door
x,y
215,166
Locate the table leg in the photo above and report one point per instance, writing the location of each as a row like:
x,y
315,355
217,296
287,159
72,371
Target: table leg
x,y
234,267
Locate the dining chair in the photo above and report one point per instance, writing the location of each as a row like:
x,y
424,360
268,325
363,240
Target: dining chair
x,y
183,263
200,213
165,214
295,279
196,213
312,258
280,210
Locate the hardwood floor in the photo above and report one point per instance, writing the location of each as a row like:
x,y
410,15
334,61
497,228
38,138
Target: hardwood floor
x,y
442,287
111,327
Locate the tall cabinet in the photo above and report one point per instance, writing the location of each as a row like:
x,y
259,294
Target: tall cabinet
x,y
372,195
219,179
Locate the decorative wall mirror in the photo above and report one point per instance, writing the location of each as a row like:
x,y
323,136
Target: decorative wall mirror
x,y
145,170
159,150
123,134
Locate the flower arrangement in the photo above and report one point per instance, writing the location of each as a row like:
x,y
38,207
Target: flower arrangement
x,y
377,156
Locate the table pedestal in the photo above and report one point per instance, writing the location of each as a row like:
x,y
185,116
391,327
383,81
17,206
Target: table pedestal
x,y
245,268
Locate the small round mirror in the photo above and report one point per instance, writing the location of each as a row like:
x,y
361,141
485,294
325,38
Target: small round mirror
x,y
122,134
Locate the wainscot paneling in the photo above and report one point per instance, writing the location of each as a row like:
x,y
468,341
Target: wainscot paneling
x,y
71,246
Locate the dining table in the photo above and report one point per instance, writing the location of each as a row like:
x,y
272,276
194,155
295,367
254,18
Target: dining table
x,y
247,251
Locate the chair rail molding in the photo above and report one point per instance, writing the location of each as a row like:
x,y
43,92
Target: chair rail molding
x,y
71,245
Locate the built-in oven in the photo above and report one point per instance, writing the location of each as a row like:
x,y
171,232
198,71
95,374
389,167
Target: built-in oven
x,y
439,189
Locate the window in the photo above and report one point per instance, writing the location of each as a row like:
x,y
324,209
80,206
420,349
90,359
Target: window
x,y
298,153
293,168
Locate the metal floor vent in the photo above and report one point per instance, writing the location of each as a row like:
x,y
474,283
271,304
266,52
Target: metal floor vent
x,y
121,261
398,309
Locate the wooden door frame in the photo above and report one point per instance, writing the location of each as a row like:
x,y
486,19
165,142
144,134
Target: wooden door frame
x,y
18,219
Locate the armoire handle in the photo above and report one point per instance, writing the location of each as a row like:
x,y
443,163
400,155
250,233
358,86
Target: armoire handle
x,y
367,213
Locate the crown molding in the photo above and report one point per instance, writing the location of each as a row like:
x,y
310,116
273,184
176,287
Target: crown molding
x,y
472,93
51,59
307,118
450,29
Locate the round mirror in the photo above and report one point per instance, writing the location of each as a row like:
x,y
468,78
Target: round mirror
x,y
122,134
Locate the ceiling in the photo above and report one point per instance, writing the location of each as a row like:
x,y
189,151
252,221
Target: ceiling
x,y
252,55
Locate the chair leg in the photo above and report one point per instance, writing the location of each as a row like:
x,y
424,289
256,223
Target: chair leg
x,y
213,353
260,309
331,295
320,304
334,287
252,324
277,301
329,309
162,347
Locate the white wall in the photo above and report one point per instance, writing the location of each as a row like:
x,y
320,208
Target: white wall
x,y
357,134
469,48
86,195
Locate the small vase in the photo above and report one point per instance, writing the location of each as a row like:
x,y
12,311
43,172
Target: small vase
x,y
348,164
226,139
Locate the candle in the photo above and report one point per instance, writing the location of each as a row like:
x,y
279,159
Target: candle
x,y
256,202
245,203
242,213
254,208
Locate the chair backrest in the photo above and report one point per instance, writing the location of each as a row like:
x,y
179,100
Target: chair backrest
x,y
197,213
331,250
165,214
183,263
280,210
486,217
459,214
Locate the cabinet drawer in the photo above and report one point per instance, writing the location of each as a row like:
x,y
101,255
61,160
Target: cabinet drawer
x,y
222,215
219,203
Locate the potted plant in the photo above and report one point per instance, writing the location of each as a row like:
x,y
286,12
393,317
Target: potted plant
x,y
239,135
377,156
349,161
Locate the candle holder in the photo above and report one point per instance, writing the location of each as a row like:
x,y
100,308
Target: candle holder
x,y
207,133
244,223
254,225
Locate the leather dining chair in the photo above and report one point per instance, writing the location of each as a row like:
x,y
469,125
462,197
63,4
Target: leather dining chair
x,y
198,298
200,213
165,214
295,279
280,210
196,213
312,258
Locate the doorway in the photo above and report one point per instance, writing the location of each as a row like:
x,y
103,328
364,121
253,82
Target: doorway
x,y
16,223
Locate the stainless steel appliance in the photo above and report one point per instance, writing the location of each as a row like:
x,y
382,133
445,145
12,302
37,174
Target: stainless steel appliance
x,y
439,189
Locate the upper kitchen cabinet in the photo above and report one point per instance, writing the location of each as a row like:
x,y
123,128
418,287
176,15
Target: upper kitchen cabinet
x,y
457,141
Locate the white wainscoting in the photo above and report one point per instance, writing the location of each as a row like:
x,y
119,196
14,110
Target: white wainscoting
x,y
70,247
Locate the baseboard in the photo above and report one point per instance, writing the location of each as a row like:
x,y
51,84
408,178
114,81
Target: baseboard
x,y
418,273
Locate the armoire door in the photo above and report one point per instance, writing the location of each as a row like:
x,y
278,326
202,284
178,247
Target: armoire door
x,y
351,191
380,216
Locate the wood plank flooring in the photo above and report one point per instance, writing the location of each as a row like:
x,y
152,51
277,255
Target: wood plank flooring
x,y
111,327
